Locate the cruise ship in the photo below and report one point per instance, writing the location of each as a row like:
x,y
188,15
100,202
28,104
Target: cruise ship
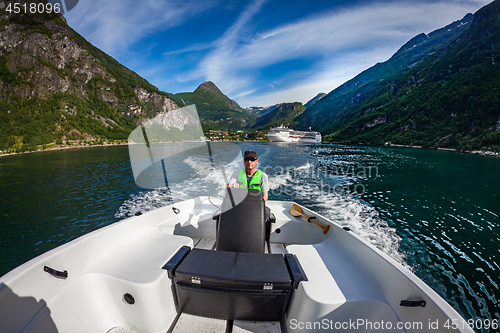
x,y
285,134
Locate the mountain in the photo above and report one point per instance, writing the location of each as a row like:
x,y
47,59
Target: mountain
x,y
56,86
437,90
208,97
282,115
260,111
315,99
216,110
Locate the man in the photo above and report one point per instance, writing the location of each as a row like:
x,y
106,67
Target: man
x,y
251,177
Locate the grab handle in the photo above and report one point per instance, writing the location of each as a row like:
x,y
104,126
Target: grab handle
x,y
56,273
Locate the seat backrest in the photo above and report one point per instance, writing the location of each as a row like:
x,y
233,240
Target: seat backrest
x,y
241,223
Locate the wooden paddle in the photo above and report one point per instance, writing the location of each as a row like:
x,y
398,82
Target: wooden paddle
x,y
297,211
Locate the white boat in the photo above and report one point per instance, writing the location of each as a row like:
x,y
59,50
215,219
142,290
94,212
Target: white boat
x,y
176,269
111,280
285,134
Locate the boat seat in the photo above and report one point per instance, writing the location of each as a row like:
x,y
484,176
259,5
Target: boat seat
x,y
233,285
241,225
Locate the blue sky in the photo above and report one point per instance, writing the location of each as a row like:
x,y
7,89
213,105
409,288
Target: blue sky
x,y
260,52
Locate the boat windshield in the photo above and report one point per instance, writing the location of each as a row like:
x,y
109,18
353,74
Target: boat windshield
x,y
170,151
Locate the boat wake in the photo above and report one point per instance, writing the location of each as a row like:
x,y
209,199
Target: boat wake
x,y
205,181
143,202
303,184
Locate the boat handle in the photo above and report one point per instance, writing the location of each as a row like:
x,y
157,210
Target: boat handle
x,y
412,303
56,273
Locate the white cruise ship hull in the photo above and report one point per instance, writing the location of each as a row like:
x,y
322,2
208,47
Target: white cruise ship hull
x,y
278,138
288,135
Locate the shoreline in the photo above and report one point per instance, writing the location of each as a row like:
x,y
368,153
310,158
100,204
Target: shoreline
x,y
65,147
473,152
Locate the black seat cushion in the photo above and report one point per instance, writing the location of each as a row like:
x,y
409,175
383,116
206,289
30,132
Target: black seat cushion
x,y
241,222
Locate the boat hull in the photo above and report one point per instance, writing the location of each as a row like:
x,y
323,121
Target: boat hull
x,y
284,134
278,138
347,278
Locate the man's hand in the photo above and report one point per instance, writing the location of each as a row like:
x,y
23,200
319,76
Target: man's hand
x,y
234,185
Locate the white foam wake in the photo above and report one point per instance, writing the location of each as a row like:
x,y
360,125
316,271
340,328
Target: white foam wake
x,y
342,208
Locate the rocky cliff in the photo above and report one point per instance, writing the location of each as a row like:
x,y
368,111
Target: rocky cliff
x,y
53,81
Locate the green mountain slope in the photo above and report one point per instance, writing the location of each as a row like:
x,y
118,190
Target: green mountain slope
x,y
216,110
314,99
208,97
438,90
55,86
282,115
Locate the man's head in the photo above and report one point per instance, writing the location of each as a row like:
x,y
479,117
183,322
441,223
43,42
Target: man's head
x,y
251,160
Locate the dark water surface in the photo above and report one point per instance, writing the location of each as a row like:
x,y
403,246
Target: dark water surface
x,y
435,212
50,198
446,207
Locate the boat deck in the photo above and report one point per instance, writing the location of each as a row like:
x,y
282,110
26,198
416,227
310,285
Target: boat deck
x,y
187,323
115,279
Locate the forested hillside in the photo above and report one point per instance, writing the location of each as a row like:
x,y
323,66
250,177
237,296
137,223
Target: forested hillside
x,y
216,110
55,86
438,90
282,115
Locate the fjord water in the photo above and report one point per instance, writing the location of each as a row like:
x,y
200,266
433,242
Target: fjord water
x,y
50,198
437,213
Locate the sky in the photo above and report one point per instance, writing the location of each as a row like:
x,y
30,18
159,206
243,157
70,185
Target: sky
x,y
258,52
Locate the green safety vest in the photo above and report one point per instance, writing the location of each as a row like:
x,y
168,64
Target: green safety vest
x,y
254,182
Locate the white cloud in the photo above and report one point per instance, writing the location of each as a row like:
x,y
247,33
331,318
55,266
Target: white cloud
x,y
114,25
323,78
214,66
244,93
190,48
338,44
363,30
